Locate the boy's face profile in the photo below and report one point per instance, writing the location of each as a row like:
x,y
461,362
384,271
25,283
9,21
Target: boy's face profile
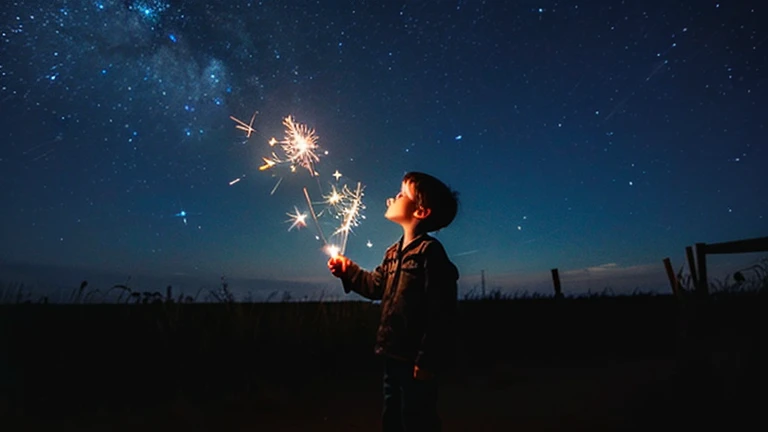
x,y
403,208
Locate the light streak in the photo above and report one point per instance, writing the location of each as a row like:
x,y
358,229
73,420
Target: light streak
x,y
276,185
248,128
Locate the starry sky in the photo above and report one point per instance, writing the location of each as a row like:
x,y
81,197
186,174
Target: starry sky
x,y
597,137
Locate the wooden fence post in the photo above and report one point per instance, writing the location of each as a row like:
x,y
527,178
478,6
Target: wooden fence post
x,y
701,262
673,282
691,266
556,281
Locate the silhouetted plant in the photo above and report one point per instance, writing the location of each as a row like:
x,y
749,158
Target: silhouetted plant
x,y
78,294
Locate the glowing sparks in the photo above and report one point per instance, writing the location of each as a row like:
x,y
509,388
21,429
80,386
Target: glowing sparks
x,y
269,163
297,219
248,128
299,145
299,149
335,198
345,205
351,213
332,250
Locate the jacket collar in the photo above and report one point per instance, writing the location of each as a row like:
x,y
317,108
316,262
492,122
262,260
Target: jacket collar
x,y
415,242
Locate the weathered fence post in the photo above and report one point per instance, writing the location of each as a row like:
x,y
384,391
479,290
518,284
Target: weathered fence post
x,y
673,282
556,281
702,288
691,266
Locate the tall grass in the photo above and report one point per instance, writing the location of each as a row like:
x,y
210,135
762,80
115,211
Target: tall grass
x,y
150,345
751,280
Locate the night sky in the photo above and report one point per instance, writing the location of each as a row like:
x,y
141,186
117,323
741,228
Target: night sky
x,y
597,137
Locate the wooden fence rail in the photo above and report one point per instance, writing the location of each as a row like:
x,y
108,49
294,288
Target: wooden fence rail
x,y
699,274
697,266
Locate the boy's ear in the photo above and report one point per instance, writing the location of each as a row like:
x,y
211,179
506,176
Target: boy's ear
x,y
422,213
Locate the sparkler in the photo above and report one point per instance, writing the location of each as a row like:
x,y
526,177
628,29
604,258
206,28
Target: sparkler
x,y
348,206
298,146
299,149
314,217
351,213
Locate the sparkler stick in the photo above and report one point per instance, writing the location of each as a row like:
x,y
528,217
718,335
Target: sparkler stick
x,y
351,215
314,218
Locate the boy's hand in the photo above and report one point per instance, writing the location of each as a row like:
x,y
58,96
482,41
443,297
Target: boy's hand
x,y
338,265
422,374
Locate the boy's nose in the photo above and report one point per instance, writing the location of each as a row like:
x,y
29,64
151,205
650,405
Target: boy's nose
x,y
390,201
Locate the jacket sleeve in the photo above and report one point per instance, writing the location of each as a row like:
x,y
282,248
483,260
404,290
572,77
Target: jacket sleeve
x,y
436,349
369,284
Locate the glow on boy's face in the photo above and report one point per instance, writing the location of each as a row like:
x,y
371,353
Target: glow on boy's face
x,y
403,205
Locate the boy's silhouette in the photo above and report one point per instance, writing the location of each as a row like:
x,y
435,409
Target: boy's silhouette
x,y
416,284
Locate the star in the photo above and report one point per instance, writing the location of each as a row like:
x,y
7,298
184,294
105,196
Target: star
x,y
297,219
337,175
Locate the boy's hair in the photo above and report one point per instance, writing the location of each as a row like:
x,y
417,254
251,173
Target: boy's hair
x,y
431,193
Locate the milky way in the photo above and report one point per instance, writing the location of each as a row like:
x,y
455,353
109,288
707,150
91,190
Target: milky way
x,y
598,137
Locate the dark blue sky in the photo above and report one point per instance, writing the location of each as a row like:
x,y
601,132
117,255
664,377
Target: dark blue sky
x,y
597,137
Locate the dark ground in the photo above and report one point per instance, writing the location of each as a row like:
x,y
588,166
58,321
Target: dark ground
x,y
598,364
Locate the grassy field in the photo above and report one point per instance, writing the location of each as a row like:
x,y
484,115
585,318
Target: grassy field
x,y
531,363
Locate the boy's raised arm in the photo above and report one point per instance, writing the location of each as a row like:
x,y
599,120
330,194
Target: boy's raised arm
x,y
369,284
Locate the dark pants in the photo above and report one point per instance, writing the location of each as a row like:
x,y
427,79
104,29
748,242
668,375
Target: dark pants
x,y
410,405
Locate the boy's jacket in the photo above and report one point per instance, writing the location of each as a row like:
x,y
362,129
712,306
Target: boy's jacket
x,y
417,289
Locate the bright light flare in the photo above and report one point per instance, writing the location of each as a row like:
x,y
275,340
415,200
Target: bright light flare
x,y
332,250
299,145
297,219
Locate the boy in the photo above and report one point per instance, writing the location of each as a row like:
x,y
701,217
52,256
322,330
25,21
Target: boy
x,y
416,284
